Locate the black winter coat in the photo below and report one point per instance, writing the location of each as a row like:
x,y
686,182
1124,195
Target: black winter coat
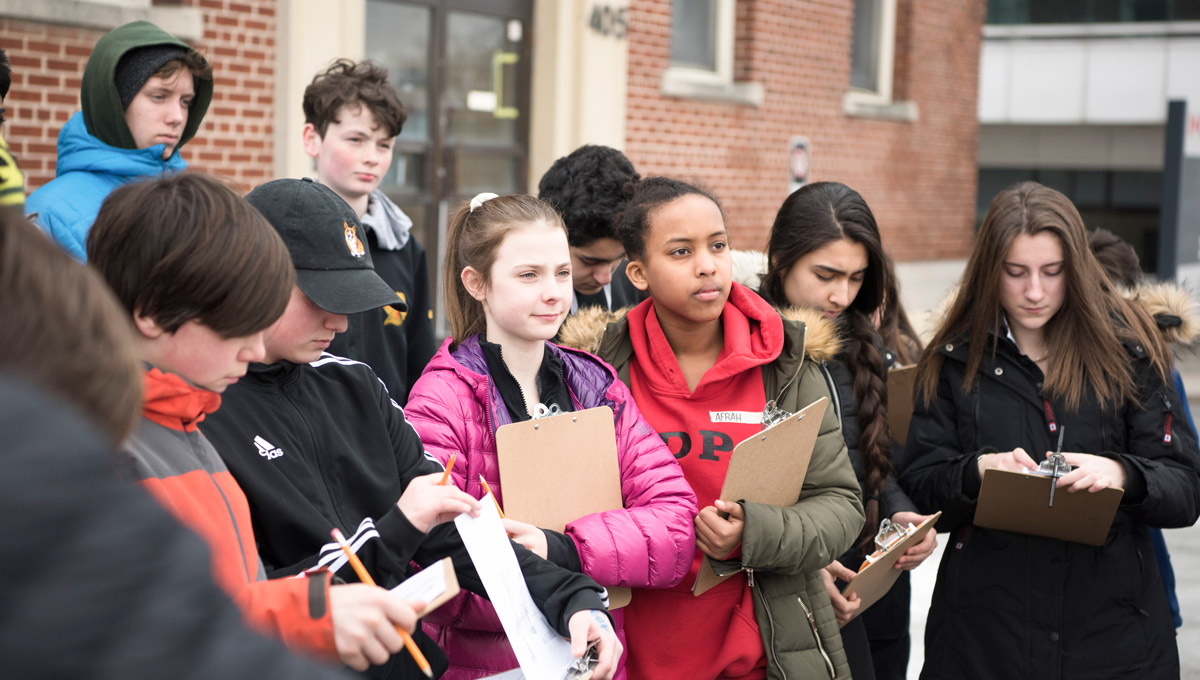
x,y
1008,605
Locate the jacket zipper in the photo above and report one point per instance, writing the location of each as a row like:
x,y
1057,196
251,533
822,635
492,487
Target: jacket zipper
x,y
833,391
812,621
770,620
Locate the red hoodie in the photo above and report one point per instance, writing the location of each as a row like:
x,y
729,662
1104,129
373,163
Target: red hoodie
x,y
672,633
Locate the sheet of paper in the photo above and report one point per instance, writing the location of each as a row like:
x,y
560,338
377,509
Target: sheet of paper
x,y
514,674
542,653
424,586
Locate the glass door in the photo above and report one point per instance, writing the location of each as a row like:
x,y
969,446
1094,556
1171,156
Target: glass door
x,y
462,70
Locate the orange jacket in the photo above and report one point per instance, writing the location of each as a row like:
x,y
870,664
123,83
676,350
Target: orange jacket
x,y
176,463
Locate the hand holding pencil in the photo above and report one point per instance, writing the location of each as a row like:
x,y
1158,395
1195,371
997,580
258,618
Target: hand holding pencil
x,y
426,502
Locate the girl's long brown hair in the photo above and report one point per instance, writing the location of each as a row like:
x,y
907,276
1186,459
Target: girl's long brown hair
x,y
1084,339
472,240
812,217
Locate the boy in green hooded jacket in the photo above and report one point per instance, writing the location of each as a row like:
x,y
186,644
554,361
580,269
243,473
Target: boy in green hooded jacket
x,y
144,95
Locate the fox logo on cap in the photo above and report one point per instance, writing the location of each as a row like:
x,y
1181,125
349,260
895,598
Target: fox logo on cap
x,y
353,244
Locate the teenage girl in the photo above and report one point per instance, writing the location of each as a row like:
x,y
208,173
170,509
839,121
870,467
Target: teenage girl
x,y
507,282
824,253
703,356
1037,340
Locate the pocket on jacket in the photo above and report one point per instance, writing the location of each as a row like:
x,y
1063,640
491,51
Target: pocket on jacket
x,y
981,565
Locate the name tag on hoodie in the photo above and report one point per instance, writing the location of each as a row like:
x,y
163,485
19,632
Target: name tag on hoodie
x,y
744,417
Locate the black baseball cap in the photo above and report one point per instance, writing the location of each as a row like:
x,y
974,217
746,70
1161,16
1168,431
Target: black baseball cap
x,y
322,233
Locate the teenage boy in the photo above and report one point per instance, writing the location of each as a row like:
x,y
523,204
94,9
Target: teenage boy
x,y
99,581
317,442
586,187
201,273
143,96
351,118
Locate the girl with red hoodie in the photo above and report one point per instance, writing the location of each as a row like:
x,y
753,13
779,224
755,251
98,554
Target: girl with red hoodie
x,y
508,287
704,356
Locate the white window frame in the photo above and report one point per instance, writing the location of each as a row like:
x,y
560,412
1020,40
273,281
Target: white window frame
x,y
718,83
878,103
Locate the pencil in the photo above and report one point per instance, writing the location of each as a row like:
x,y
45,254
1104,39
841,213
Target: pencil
x,y
363,576
488,490
449,467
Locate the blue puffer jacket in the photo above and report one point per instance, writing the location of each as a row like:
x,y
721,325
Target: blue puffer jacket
x,y
87,172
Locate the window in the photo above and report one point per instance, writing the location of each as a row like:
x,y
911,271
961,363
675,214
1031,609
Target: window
x,y
872,50
702,35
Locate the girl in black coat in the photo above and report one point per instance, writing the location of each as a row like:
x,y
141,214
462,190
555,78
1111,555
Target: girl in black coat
x,y
825,253
1036,340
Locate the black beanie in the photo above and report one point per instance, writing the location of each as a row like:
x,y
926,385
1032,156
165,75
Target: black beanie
x,y
137,65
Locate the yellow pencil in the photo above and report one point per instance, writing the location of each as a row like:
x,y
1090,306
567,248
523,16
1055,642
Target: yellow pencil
x,y
363,576
488,490
449,467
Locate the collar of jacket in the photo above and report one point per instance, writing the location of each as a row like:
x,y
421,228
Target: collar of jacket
x,y
588,379
172,402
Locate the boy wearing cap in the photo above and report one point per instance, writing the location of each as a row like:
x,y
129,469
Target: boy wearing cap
x,y
317,442
143,96
202,274
351,118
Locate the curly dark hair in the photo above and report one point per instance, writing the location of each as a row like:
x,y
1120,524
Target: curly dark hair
x,y
642,198
346,83
585,188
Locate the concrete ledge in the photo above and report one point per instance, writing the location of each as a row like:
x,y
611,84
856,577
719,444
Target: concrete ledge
x,y
860,105
186,23
684,84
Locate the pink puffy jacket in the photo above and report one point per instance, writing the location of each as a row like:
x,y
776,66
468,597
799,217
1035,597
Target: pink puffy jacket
x,y
649,544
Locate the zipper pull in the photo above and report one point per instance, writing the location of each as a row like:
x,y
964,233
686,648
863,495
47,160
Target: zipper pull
x,y
750,577
1050,415
1167,430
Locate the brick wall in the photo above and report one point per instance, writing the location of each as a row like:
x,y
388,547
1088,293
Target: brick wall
x,y
236,139
919,178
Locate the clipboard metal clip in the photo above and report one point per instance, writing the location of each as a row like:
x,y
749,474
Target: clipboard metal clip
x,y
1055,465
890,533
773,415
543,411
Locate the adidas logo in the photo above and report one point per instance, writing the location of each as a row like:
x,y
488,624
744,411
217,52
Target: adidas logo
x,y
266,449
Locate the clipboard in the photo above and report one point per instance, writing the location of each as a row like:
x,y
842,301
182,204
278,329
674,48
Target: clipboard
x,y
560,468
900,382
1017,502
768,468
438,580
877,578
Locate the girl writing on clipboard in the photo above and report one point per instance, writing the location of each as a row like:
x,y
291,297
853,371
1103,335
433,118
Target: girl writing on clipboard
x,y
1038,339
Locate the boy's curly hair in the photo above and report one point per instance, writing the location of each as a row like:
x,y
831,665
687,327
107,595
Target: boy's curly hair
x,y
585,187
346,83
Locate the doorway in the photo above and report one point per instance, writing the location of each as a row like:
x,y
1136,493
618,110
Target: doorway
x,y
462,68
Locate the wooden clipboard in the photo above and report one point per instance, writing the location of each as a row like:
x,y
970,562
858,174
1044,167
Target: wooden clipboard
x,y
1019,502
449,578
769,468
900,383
877,578
557,469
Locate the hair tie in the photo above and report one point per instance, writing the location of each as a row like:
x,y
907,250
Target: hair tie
x,y
482,198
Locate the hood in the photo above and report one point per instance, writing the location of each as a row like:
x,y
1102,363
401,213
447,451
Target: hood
x,y
387,221
79,151
585,330
749,267
1168,303
102,112
753,337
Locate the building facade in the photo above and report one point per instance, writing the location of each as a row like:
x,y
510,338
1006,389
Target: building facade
x,y
739,94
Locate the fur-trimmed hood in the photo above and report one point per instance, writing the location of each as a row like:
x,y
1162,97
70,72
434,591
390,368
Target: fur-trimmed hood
x,y
1170,305
585,329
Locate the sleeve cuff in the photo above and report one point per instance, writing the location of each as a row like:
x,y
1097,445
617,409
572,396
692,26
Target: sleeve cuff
x,y
561,550
584,600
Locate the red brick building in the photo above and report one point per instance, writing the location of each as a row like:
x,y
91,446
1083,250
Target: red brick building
x,y
887,102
